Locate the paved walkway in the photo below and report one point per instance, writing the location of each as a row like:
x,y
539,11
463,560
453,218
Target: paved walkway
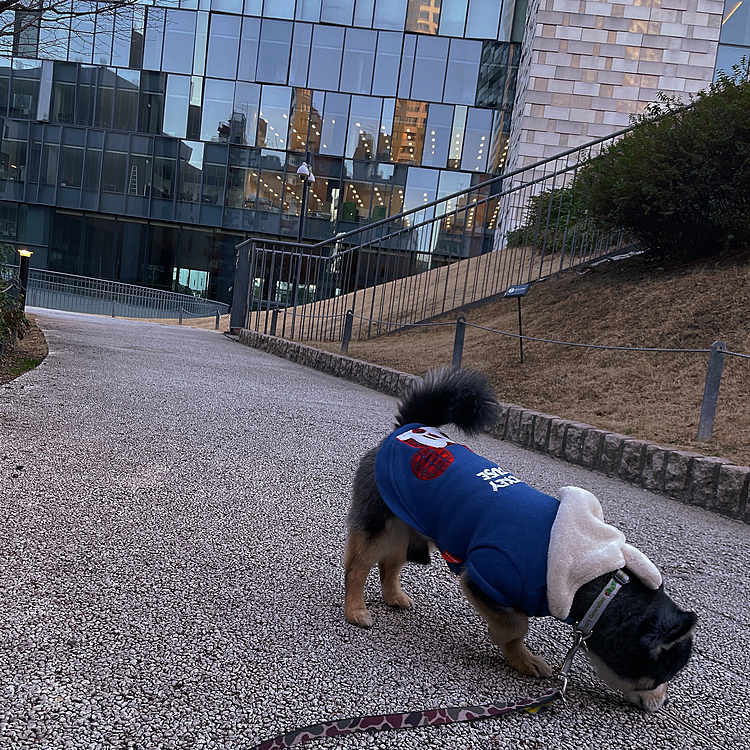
x,y
171,529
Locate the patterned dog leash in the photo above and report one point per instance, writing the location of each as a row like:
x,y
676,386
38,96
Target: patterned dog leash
x,y
438,716
408,720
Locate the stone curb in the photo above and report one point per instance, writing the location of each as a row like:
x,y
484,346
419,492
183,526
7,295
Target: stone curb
x,y
691,478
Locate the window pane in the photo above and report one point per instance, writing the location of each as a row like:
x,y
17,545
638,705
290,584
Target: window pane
x,y
408,131
71,166
223,47
421,188
389,14
364,125
176,105
385,134
457,137
105,98
359,60
242,187
337,11
453,18
113,171
407,66
122,37
325,59
273,121
387,63
13,156
86,94
476,141
316,123
245,115
126,99
463,70
82,34
333,132
92,168
300,54
301,109
423,16
270,187
152,46
735,27
278,9
63,93
495,82
273,56
179,40
24,95
429,68
218,101
151,109
437,135
308,10
483,19
249,48
363,10
191,171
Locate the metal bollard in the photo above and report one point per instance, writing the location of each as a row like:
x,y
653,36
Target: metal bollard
x,y
458,343
347,337
180,317
274,321
217,320
711,390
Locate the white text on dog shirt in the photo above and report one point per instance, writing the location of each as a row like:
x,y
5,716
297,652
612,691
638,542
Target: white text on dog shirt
x,y
498,478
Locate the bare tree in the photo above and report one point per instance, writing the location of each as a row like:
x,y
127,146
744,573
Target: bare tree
x,y
42,28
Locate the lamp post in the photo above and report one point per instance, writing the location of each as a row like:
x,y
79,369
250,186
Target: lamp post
x,y
307,176
23,274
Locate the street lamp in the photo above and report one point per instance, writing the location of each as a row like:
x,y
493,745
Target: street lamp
x,y
23,274
307,176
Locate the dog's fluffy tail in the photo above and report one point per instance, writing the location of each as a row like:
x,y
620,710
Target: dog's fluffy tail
x,y
448,396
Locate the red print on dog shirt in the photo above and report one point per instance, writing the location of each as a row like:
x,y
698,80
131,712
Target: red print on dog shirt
x,y
432,458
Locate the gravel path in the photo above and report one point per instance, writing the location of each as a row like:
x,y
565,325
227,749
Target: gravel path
x,y
171,530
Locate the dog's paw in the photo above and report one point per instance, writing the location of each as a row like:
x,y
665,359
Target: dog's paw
x,y
399,601
361,617
535,666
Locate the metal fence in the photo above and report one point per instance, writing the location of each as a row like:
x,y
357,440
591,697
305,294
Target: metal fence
x,y
62,291
427,260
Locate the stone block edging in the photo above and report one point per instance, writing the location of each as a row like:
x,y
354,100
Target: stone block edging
x,y
691,478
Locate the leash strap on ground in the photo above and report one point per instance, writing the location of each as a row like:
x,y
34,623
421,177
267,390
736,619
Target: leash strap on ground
x,y
408,720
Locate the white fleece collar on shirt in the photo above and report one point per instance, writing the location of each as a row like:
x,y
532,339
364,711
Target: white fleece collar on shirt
x,y
583,547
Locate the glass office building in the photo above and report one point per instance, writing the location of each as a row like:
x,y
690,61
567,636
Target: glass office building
x,y
144,148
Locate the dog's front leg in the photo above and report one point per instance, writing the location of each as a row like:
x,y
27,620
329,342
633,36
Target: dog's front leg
x,y
507,629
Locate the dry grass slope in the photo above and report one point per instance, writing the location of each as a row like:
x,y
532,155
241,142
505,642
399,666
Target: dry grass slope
x,y
653,396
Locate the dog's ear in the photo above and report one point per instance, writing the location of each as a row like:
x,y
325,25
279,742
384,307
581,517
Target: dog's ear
x,y
671,626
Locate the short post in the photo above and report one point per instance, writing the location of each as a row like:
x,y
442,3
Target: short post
x,y
274,321
458,343
113,305
180,317
347,337
711,390
518,291
23,275
217,321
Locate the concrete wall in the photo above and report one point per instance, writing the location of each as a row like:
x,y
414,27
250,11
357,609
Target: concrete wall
x,y
587,66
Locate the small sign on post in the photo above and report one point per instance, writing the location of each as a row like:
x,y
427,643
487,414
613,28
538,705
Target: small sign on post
x,y
518,291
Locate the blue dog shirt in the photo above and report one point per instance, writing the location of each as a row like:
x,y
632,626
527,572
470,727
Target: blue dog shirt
x,y
480,516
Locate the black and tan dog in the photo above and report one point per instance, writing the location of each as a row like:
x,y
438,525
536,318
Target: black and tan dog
x,y
519,552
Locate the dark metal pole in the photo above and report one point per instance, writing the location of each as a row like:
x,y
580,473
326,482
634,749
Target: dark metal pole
x,y
458,343
347,337
711,390
520,332
23,275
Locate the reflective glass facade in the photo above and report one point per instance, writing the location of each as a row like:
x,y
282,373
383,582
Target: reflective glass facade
x,y
145,148
734,42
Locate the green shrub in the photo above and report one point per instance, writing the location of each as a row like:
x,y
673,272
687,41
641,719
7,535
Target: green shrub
x,y
679,183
